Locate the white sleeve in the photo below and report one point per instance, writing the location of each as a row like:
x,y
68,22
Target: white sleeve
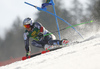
x,y
25,36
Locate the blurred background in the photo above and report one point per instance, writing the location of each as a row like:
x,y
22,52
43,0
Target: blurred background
x,y
13,12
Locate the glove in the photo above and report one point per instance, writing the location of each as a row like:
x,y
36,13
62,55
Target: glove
x,y
27,54
40,35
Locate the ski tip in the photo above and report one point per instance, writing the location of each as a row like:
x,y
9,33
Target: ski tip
x,y
24,58
43,52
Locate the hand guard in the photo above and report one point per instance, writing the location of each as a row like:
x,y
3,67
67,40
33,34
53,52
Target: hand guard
x,y
40,35
27,54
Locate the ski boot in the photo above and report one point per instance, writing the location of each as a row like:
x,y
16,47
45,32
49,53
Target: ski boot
x,y
28,54
64,42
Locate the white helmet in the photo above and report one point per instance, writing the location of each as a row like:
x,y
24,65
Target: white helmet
x,y
27,21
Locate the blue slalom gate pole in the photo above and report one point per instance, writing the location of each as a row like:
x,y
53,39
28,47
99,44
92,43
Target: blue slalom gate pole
x,y
56,20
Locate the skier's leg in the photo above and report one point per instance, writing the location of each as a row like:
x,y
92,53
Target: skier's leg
x,y
39,44
58,42
54,42
51,40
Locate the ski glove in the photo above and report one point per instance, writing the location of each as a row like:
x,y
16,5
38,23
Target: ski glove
x,y
27,54
40,35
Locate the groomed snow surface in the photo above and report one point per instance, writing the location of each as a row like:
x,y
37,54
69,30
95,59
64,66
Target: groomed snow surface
x,y
80,55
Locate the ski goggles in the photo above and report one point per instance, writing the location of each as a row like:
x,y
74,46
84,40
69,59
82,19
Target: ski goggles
x,y
27,26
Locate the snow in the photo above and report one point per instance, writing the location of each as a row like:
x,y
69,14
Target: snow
x,y
78,55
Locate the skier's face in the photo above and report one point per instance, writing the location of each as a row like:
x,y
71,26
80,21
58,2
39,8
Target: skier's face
x,y
29,29
27,26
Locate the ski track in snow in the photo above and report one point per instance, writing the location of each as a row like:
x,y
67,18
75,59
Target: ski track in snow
x,y
78,55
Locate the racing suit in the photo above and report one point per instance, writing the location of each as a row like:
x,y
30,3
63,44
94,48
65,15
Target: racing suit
x,y
40,36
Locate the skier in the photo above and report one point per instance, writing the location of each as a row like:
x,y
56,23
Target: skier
x,y
37,32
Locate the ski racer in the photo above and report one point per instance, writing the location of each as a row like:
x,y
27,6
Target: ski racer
x,y
37,32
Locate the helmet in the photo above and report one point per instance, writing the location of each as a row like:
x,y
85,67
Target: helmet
x,y
27,22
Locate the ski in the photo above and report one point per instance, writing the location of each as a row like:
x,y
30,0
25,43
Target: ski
x,y
42,52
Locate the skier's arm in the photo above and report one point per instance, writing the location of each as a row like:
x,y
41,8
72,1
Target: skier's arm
x,y
41,28
26,40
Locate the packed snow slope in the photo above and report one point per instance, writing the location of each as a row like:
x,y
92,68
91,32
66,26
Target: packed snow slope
x,y
78,55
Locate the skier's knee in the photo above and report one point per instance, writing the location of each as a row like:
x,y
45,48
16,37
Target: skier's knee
x,y
50,42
